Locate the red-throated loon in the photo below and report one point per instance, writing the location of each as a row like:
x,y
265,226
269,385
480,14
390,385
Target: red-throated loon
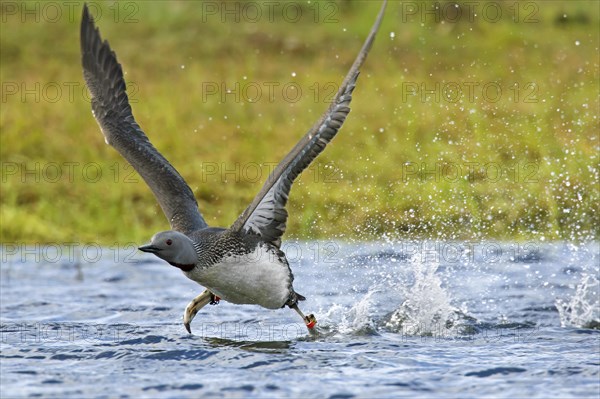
x,y
242,264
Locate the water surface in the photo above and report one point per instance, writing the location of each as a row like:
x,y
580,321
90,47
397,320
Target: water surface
x,y
420,319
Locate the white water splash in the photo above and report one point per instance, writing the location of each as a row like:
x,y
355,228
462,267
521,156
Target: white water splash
x,y
360,316
404,296
357,319
583,308
427,308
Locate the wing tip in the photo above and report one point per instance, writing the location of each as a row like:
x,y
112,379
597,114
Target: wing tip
x,y
87,24
101,70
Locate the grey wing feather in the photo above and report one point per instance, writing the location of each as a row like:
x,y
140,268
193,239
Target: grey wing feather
x,y
269,218
110,106
266,215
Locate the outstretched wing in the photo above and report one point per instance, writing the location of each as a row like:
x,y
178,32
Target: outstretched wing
x,y
266,215
111,109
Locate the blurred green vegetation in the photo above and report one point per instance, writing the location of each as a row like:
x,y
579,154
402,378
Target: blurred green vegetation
x,y
457,160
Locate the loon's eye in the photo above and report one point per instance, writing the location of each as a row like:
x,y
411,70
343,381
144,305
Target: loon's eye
x,y
169,241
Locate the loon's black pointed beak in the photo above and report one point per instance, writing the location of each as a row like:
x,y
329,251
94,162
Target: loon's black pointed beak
x,y
149,248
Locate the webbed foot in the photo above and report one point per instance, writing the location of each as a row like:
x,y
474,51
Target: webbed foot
x,y
194,306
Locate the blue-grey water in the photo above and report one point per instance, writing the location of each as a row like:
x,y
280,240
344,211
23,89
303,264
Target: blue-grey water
x,y
425,319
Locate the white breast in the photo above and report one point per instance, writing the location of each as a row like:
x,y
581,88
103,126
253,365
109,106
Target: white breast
x,y
257,278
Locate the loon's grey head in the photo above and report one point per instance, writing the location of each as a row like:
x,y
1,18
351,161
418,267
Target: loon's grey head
x,y
173,247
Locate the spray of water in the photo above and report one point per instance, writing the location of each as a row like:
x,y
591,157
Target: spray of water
x,y
583,308
427,307
355,320
420,304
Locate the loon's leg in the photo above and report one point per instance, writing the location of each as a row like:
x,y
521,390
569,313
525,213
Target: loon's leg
x,y
309,320
195,305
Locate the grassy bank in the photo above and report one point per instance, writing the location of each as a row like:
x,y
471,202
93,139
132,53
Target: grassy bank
x,y
470,127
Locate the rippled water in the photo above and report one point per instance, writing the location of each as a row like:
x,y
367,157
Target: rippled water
x,y
420,319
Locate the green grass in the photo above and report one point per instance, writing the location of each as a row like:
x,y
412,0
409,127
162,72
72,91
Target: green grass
x,y
366,183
